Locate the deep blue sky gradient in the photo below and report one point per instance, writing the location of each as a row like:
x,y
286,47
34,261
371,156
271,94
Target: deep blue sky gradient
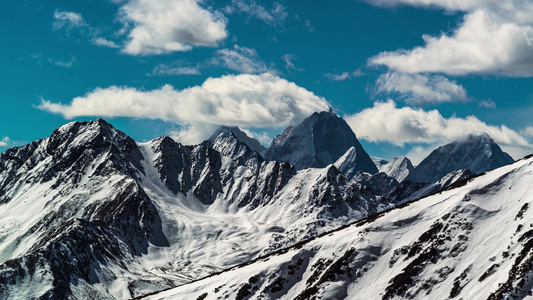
x,y
344,35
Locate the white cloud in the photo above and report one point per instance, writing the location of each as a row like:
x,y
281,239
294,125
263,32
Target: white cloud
x,y
275,17
165,26
528,131
5,142
418,89
496,37
344,75
487,103
387,123
262,137
194,133
240,59
99,41
68,21
289,61
258,101
418,153
175,69
63,63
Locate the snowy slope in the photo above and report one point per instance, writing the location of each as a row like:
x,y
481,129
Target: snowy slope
x,y
398,168
473,241
89,213
318,141
476,152
241,136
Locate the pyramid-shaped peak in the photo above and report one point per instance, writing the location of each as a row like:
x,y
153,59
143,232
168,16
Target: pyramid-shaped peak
x,y
321,139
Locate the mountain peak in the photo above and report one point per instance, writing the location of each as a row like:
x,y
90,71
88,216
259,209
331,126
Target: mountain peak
x,y
398,168
477,152
321,139
240,135
228,144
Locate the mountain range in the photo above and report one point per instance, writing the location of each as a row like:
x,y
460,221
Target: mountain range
x,y
88,213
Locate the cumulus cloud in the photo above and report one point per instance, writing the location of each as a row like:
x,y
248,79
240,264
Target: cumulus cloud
x,y
194,133
165,26
385,122
262,137
344,75
495,37
5,142
273,17
240,59
528,131
245,100
419,89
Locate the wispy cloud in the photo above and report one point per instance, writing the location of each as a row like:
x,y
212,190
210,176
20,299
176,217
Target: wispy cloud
x,y
39,59
289,62
274,17
5,142
71,22
241,59
495,37
68,21
487,103
344,75
63,63
420,89
165,26
99,41
239,100
174,69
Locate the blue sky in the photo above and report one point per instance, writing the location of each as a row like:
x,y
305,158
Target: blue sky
x,y
407,75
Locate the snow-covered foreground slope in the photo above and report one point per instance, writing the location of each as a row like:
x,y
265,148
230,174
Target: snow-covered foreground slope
x,y
89,214
473,241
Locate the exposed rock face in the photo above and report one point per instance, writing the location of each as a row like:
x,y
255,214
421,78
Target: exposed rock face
x,y
477,152
318,141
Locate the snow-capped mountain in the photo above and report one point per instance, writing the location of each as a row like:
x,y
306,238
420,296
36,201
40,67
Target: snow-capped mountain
x,y
476,152
88,213
398,168
318,141
241,136
472,241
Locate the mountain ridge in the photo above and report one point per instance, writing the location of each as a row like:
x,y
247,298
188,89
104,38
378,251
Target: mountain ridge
x,y
408,277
